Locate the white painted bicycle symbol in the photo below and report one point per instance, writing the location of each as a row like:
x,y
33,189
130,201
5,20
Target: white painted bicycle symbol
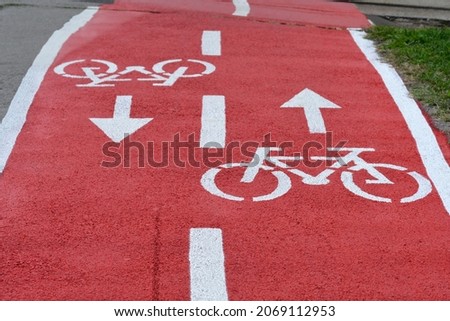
x,y
279,166
103,73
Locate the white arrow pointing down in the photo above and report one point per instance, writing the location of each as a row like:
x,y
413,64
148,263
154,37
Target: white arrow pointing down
x,y
311,102
120,125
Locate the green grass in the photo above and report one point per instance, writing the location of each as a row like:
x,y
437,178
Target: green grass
x,y
422,55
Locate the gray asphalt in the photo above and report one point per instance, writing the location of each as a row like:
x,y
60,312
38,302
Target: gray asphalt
x,y
25,27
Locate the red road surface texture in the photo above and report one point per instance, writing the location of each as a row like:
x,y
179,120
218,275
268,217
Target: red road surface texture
x,y
71,229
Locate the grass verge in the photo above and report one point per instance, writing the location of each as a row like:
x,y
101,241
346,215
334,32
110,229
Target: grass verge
x,y
422,56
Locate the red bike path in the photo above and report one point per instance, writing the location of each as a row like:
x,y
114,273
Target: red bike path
x,y
71,229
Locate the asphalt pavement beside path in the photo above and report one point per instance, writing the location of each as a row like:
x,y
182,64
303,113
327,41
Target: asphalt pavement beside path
x,y
25,26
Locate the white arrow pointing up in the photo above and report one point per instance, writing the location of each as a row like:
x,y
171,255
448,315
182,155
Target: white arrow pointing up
x,y
121,125
312,103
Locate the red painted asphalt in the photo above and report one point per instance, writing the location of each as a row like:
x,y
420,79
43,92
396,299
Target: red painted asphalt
x,y
73,230
317,12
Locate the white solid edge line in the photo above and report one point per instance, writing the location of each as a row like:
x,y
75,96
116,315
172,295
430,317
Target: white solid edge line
x,y
207,265
434,161
211,43
16,116
242,8
213,122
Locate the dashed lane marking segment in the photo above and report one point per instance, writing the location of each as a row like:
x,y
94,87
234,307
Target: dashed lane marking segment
x,y
213,131
211,43
17,113
242,8
427,145
207,265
